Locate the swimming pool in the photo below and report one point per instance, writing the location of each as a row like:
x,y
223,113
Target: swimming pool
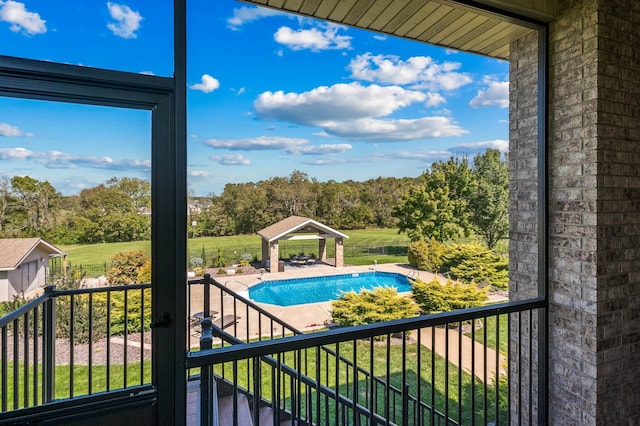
x,y
320,289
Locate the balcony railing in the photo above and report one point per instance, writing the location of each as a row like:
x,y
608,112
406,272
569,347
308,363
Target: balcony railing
x,y
67,344
444,369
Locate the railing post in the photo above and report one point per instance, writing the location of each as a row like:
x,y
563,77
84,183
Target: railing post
x,y
48,343
405,405
206,311
206,372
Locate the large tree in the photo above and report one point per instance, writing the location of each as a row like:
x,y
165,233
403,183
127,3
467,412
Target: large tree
x,y
489,202
36,203
437,207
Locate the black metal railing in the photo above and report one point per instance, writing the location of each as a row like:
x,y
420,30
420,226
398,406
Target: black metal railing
x,y
78,342
443,369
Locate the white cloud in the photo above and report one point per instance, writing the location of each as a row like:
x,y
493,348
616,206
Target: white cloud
x,y
232,160
325,37
389,130
21,19
62,160
246,14
8,130
434,99
322,149
477,147
198,174
353,111
261,143
429,156
380,37
496,94
207,85
127,20
341,102
420,71
15,154
274,143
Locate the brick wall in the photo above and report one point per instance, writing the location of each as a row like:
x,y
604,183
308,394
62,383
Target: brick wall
x,y
594,207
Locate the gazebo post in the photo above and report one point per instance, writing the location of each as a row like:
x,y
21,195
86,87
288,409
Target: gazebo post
x,y
322,249
273,257
339,252
265,252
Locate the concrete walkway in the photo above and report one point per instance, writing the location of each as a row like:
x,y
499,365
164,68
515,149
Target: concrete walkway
x,y
472,363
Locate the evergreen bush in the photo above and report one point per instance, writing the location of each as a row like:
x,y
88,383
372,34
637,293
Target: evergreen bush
x,y
434,297
371,306
426,255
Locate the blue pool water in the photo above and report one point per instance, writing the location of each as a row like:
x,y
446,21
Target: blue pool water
x,y
320,289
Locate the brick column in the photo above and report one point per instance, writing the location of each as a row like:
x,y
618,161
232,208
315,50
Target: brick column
x,y
322,249
273,256
339,253
265,252
593,209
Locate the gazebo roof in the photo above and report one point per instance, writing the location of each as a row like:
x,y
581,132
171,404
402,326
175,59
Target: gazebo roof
x,y
300,225
13,251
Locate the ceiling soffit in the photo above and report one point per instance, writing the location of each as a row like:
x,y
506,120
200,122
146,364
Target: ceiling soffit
x,y
438,22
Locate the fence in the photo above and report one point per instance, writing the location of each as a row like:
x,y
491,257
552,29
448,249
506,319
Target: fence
x,y
290,248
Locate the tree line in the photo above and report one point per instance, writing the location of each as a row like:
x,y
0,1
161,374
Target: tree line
x,y
448,200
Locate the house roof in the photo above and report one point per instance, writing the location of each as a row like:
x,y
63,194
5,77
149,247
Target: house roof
x,y
13,251
300,225
442,23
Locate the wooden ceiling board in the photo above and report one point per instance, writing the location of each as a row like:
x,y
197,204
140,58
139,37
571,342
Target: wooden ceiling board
x,y
278,4
341,10
372,13
293,5
475,22
324,9
451,19
357,11
309,7
392,10
496,32
416,19
410,9
463,22
438,13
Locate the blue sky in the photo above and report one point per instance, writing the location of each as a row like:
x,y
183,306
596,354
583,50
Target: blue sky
x,y
269,93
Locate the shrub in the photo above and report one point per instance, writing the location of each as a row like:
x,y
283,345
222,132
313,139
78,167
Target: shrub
x,y
371,306
85,306
144,274
11,305
426,255
125,266
434,297
474,262
220,261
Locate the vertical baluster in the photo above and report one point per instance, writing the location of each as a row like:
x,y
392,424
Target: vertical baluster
x,y
485,366
142,336
90,355
16,363
49,344
5,369
497,399
25,357
433,375
125,349
460,372
206,376
72,322
108,361
36,353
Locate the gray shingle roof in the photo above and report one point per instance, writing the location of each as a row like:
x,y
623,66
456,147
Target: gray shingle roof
x,y
293,224
14,250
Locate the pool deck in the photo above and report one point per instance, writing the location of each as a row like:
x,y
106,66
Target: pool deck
x,y
304,317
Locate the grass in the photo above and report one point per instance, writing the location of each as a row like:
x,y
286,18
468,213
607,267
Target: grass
x,y
447,396
359,248
491,333
63,388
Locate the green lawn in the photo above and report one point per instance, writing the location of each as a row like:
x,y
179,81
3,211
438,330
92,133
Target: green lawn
x,y
455,395
491,333
358,248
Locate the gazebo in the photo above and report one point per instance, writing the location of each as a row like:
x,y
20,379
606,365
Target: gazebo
x,y
299,228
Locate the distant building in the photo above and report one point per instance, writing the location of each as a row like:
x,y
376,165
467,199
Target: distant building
x,y
24,265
